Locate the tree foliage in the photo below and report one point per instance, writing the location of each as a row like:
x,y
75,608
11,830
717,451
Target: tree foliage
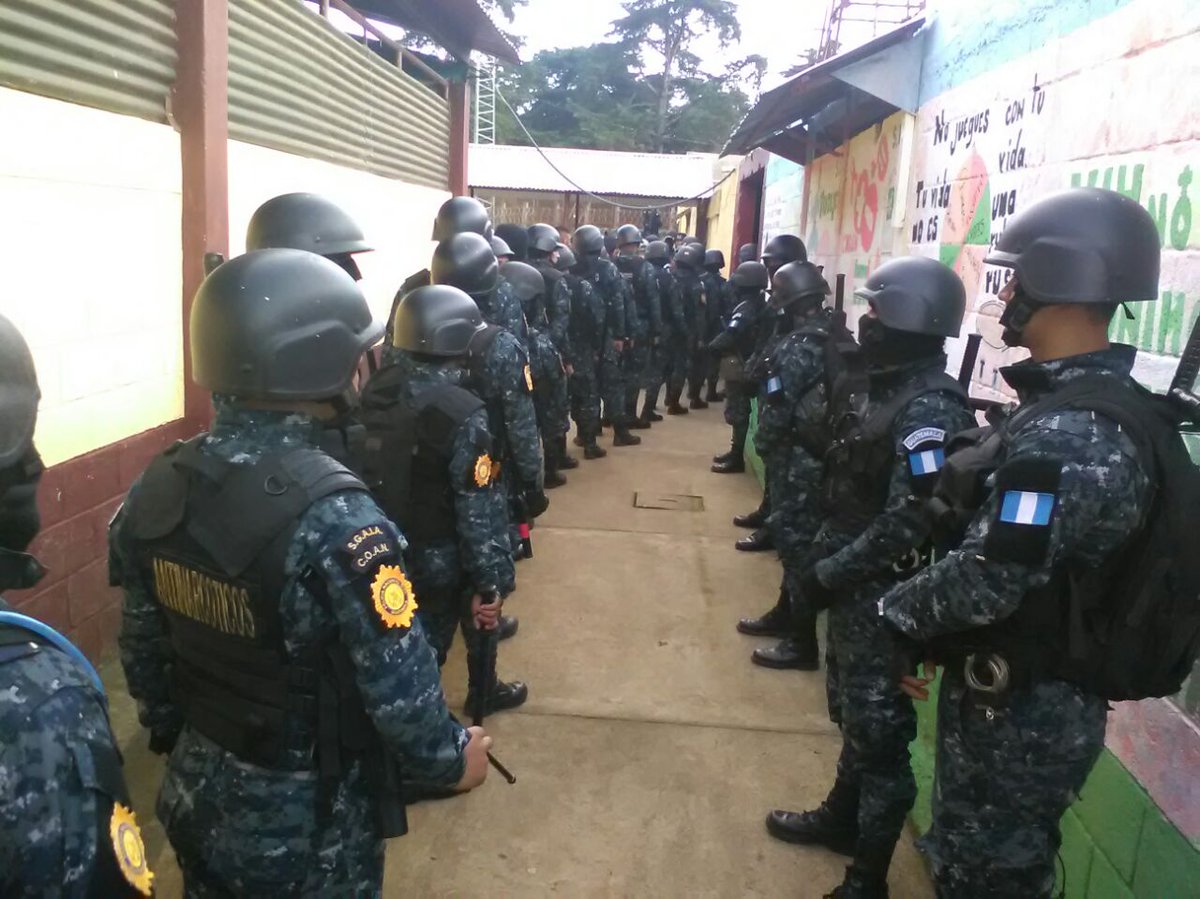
x,y
647,90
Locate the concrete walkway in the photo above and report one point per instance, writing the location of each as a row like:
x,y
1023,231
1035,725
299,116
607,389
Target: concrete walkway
x,y
650,749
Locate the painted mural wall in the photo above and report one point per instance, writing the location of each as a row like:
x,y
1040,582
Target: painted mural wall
x,y
783,198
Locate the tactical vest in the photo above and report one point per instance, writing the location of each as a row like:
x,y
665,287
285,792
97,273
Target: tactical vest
x,y
1127,629
858,466
811,426
409,446
211,539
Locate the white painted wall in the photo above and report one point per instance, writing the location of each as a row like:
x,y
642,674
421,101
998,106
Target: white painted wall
x,y
90,267
397,218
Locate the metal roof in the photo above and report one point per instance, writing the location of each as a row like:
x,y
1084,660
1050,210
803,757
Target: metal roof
x,y
506,167
836,98
458,25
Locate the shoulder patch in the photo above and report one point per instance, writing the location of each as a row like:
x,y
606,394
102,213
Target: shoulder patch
x,y
924,435
367,546
484,470
392,595
1027,493
129,849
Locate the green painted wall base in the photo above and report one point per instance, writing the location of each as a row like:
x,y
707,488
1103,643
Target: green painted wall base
x,y
1116,842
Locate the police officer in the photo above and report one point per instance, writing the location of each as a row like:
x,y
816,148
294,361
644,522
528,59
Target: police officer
x,y
793,439
502,251
670,334
517,238
717,312
780,250
432,470
458,215
501,376
1012,757
646,324
594,267
689,264
549,376
735,345
66,825
883,463
587,344
747,252
269,631
543,256
466,261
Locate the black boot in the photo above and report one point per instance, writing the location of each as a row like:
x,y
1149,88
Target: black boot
x,y
786,655
592,450
648,404
775,623
564,460
861,883
638,424
833,825
503,696
757,542
553,478
714,396
696,403
756,519
673,406
622,437
731,463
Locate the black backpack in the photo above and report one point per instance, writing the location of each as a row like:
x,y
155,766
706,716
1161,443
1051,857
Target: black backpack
x,y
1133,627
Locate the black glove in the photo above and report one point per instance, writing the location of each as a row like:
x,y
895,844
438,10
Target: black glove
x,y
816,594
162,742
536,502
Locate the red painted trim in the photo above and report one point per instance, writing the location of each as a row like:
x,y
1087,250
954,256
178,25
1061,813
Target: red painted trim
x,y
200,103
77,499
460,137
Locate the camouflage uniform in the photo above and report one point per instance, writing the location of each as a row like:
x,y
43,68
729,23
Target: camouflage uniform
x,y
501,307
60,775
549,378
446,573
670,314
876,719
695,310
558,308
645,325
716,311
587,339
1006,772
242,829
607,282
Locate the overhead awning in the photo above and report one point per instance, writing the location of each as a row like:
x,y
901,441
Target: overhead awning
x,y
458,25
836,98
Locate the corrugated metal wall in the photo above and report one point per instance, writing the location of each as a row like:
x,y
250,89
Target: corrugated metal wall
x,y
299,85
529,206
112,54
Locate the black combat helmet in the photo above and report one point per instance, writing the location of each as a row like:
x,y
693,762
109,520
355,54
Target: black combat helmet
x,y
500,248
1085,245
588,240
750,275
460,214
794,282
747,252
19,395
543,238
714,259
527,282
658,251
304,222
628,234
517,239
916,295
465,261
690,256
279,325
782,249
566,258
437,320
610,241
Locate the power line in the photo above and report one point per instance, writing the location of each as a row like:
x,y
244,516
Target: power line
x,y
584,190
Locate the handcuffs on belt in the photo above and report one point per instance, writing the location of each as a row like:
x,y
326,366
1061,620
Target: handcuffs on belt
x,y
988,678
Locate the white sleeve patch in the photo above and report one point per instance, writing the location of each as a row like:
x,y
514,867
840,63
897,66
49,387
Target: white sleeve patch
x,y
924,435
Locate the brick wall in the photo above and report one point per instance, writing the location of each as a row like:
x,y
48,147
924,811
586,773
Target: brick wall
x,y
77,498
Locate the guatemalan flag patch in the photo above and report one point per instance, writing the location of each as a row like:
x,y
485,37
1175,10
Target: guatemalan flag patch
x,y
927,462
926,454
774,385
1021,507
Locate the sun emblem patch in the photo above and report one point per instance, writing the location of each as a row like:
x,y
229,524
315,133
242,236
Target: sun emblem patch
x,y
483,470
130,850
528,379
393,596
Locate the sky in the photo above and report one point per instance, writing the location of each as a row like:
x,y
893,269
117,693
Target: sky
x,y
777,29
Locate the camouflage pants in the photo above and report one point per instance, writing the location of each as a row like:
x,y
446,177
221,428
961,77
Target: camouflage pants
x,y
637,374
675,365
737,404
612,382
1002,785
876,719
698,364
549,389
656,373
584,388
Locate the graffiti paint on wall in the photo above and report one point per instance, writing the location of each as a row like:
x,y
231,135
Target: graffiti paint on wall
x,y
783,198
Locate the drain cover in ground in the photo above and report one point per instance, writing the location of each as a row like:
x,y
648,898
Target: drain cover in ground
x,y
668,502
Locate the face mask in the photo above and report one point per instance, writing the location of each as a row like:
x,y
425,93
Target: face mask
x,y
1017,314
19,523
884,347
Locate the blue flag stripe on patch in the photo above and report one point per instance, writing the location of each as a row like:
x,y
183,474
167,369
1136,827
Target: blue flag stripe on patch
x,y
928,462
1020,507
774,384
